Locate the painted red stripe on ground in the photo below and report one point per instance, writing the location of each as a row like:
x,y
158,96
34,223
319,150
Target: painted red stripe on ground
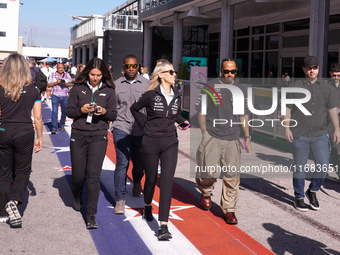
x,y
206,230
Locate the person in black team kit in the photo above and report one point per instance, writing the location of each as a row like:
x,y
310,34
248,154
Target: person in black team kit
x,y
163,105
92,104
18,97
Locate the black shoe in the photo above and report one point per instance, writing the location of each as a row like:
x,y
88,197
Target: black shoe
x,y
163,233
300,205
147,213
54,131
78,204
91,221
62,129
313,201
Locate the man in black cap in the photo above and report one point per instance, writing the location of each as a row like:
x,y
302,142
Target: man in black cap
x,y
309,132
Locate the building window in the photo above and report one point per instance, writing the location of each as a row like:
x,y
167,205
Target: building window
x,y
3,6
333,37
258,30
334,19
256,65
273,28
296,41
242,60
2,34
257,43
243,44
243,32
296,25
272,42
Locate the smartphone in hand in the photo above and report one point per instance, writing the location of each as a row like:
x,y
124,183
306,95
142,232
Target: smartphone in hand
x,y
183,126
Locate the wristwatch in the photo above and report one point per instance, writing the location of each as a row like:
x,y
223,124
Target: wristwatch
x,y
248,137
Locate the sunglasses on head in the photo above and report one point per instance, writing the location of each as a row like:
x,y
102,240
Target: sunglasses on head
x,y
226,71
171,72
128,66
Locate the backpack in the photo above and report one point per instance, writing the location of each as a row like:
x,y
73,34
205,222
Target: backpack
x,y
41,81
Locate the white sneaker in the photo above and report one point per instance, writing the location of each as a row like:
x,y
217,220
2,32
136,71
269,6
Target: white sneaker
x,y
14,215
120,207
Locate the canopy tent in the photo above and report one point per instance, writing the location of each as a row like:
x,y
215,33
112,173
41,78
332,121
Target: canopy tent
x,y
48,59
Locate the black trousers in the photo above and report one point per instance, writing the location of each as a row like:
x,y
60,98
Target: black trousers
x,y
16,148
87,156
152,149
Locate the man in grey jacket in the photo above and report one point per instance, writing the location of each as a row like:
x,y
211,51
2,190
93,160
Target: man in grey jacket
x,y
127,135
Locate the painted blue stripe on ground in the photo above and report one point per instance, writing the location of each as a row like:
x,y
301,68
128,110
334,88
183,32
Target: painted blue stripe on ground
x,y
114,235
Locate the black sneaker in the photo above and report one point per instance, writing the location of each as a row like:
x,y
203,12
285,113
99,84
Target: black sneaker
x,y
54,131
78,204
147,213
313,201
62,129
300,205
163,233
91,222
14,215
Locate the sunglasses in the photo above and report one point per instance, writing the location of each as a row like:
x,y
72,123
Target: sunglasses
x,y
226,71
312,67
336,75
128,66
171,72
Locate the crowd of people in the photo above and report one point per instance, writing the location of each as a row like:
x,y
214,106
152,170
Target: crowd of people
x,y
96,103
141,109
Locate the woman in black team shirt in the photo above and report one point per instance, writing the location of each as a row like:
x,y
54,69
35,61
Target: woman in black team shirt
x,y
163,106
17,99
92,104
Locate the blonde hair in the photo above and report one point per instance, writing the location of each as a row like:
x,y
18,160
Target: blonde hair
x,y
14,75
145,70
155,80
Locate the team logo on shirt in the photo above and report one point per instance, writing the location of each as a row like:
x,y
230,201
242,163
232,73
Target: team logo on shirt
x,y
200,83
158,99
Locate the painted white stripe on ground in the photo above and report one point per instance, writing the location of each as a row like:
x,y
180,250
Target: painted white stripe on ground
x,y
147,231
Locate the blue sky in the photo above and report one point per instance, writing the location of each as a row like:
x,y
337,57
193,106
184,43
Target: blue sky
x,y
49,22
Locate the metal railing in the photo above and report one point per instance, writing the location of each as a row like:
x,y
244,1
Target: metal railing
x,y
149,4
123,22
93,25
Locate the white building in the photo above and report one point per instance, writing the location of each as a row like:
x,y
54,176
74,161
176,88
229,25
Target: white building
x,y
110,36
9,27
40,52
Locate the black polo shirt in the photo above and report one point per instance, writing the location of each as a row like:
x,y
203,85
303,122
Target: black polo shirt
x,y
323,97
19,111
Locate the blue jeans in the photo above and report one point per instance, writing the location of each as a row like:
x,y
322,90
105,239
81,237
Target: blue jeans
x,y
55,104
317,172
127,147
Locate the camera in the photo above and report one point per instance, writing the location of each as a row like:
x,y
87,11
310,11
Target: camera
x,y
96,109
62,82
93,104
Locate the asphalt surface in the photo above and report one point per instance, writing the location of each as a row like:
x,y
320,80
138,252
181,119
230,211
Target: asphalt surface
x,y
265,209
